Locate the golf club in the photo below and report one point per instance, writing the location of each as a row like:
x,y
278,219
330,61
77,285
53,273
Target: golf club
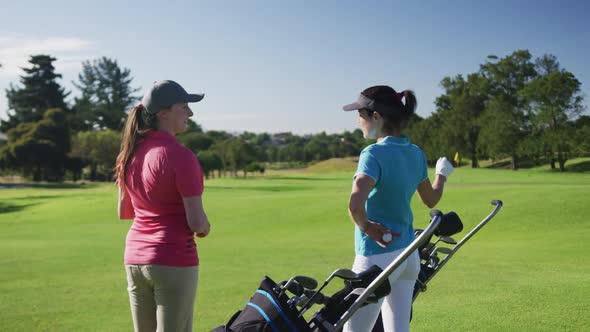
x,y
345,274
446,239
443,250
321,298
303,281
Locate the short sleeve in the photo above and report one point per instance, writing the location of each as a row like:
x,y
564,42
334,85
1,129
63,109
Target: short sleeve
x,y
369,166
188,174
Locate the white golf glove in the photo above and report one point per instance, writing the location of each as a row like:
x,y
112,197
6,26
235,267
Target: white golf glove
x,y
443,167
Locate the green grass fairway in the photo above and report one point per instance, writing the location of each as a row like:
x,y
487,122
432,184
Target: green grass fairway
x,y
61,251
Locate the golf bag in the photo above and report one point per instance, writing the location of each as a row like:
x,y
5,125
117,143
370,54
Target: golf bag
x,y
270,309
267,311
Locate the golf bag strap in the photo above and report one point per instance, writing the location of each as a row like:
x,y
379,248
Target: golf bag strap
x,y
278,308
264,315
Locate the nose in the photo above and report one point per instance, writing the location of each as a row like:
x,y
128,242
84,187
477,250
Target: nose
x,y
190,112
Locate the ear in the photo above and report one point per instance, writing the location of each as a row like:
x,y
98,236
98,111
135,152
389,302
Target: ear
x,y
376,116
163,114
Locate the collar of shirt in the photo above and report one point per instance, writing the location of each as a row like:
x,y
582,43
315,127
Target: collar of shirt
x,y
160,134
397,140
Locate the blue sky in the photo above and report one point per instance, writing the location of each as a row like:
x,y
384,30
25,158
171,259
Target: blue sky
x,y
271,66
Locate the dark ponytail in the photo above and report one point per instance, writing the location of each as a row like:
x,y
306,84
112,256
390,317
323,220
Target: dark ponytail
x,y
409,106
400,111
139,123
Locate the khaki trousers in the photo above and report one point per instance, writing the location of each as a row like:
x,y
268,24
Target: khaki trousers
x,y
162,297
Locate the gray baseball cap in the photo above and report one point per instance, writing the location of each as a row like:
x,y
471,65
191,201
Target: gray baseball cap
x,y
163,94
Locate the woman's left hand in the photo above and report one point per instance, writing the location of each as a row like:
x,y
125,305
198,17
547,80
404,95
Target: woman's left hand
x,y
376,231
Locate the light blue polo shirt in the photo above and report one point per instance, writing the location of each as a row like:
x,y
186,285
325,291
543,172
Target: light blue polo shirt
x,y
397,166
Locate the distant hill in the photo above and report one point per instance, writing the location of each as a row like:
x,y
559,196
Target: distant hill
x,y
343,165
334,165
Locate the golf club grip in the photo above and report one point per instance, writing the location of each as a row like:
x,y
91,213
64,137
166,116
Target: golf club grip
x,y
423,237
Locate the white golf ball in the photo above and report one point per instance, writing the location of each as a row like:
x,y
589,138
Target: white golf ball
x,y
387,237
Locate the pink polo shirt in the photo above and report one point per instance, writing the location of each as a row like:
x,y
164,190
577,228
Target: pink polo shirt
x,y
160,173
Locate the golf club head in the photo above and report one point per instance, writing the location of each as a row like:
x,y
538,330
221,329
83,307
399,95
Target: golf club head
x,y
444,250
448,240
341,273
345,274
292,289
295,288
307,282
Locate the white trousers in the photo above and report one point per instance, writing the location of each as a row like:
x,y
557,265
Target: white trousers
x,y
396,306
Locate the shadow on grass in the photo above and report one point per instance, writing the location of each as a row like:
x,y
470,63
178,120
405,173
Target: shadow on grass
x,y
526,164
39,197
47,185
303,178
280,177
265,189
63,185
499,165
508,165
7,208
579,167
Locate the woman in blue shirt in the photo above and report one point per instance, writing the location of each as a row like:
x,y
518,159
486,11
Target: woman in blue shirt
x,y
389,173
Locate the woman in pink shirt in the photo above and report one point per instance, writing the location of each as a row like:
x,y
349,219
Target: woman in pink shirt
x,y
160,188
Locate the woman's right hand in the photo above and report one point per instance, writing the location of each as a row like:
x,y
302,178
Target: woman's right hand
x,y
204,230
376,231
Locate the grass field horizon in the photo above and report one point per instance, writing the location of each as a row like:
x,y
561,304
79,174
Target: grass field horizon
x,y
61,250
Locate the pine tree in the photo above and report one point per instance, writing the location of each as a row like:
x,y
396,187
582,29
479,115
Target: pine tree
x,y
40,91
106,94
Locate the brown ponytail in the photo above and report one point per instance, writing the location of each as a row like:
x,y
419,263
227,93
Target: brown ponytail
x,y
139,123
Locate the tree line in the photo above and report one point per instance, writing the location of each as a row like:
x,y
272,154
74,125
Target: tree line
x,y
516,107
528,110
